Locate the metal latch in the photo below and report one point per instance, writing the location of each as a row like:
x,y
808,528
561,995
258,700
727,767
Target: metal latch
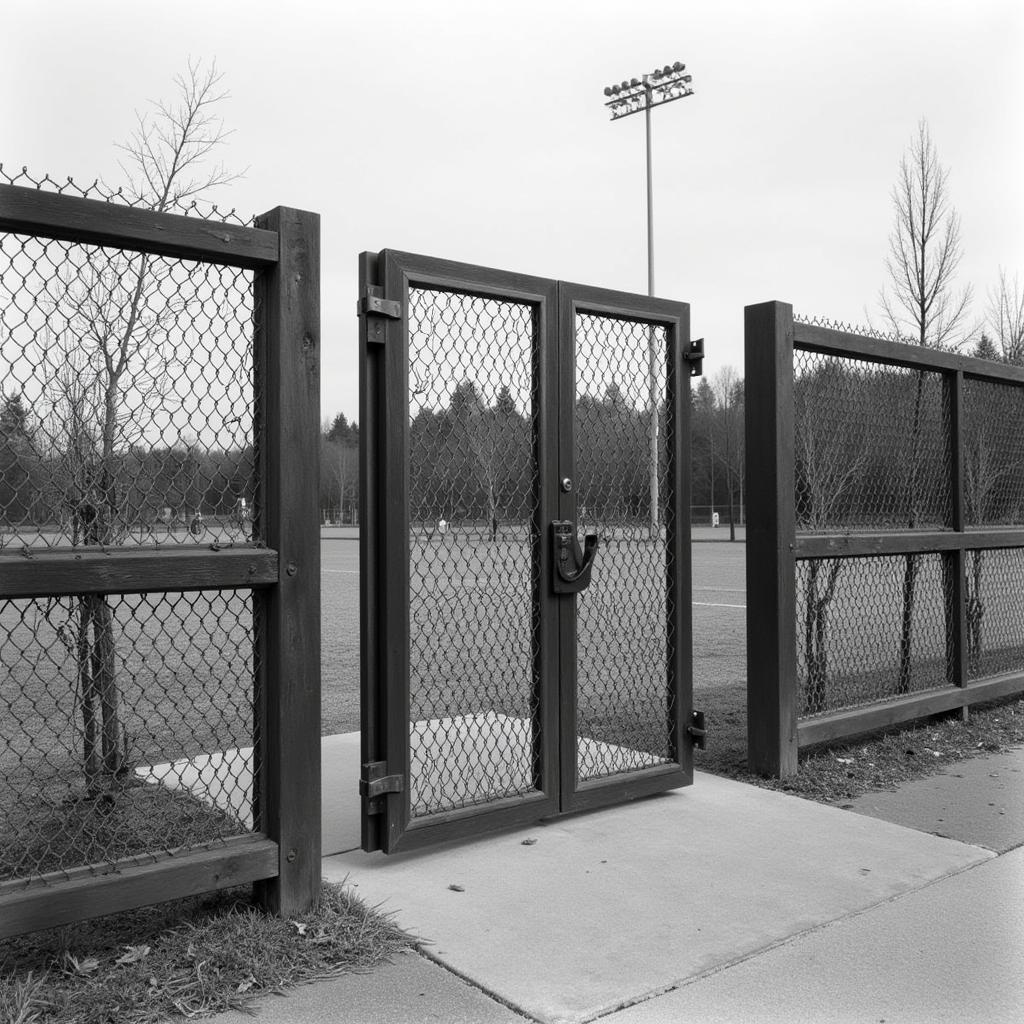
x,y
571,565
695,357
375,781
372,303
696,729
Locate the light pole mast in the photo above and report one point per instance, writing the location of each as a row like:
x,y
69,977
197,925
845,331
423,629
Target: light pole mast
x,y
663,85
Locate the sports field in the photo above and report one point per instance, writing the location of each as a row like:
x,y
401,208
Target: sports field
x,y
719,624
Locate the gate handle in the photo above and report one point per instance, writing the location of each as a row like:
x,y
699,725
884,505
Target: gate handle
x,y
571,565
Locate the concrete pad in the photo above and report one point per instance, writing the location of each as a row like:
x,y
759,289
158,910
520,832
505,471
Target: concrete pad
x,y
478,758
455,761
224,778
412,990
950,953
606,908
979,801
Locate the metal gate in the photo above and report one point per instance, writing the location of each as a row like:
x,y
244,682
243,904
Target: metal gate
x,y
510,673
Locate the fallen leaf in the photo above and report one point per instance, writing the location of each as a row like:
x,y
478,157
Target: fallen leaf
x,y
84,966
246,984
132,954
845,760
528,842
456,888
299,927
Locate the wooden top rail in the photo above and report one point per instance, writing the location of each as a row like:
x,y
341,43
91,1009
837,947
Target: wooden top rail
x,y
46,572
828,341
909,542
29,211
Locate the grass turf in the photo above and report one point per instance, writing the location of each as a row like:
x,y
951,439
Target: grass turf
x,y
187,959
869,763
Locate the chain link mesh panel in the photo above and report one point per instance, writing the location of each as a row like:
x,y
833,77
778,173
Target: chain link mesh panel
x,y
993,455
871,449
127,727
869,629
623,685
127,396
473,569
119,196
994,612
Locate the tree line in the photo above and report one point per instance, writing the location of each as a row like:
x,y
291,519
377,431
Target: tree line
x,y
41,485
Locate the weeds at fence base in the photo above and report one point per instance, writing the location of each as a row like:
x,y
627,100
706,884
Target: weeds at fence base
x,y
870,763
129,819
190,958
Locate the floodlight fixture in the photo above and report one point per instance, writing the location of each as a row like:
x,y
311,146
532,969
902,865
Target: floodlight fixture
x,y
663,85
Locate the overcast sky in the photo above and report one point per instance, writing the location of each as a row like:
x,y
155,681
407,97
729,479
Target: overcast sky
x,y
476,131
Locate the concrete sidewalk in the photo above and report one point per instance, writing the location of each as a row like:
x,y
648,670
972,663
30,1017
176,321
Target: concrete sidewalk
x,y
719,902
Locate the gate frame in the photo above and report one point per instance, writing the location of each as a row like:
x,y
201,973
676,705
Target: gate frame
x,y
674,317
282,854
384,281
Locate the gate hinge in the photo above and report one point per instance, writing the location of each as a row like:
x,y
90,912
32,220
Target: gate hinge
x,y
375,781
372,303
696,729
695,357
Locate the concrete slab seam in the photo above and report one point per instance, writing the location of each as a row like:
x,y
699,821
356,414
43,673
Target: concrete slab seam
x,y
473,983
796,936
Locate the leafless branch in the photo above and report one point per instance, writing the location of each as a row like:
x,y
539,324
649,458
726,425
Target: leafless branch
x,y
1006,317
924,252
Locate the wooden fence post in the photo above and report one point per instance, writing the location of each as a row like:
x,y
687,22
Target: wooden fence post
x,y
772,744
287,304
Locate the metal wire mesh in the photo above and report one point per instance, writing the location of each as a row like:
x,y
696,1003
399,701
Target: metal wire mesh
x,y
126,413
995,613
623,684
869,629
993,456
127,417
473,571
851,328
871,446
127,725
118,195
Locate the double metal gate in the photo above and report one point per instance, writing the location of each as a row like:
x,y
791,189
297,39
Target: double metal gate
x,y
510,673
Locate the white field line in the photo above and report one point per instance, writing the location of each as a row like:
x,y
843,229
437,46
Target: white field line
x,y
712,604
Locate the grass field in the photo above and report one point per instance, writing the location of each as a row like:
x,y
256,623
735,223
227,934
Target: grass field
x,y
719,625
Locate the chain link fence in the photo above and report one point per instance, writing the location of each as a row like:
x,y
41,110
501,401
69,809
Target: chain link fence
x,y
623,690
473,571
900,493
128,422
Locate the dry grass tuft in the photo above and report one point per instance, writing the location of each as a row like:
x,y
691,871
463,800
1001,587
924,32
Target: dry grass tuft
x,y
187,959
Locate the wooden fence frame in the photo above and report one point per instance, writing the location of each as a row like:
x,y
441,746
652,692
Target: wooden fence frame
x,y
283,855
775,734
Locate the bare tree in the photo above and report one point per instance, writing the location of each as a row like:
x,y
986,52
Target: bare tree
x,y
924,251
921,302
109,360
829,463
727,388
1006,317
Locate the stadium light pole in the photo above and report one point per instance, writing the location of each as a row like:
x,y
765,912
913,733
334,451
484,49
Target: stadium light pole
x,y
663,85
